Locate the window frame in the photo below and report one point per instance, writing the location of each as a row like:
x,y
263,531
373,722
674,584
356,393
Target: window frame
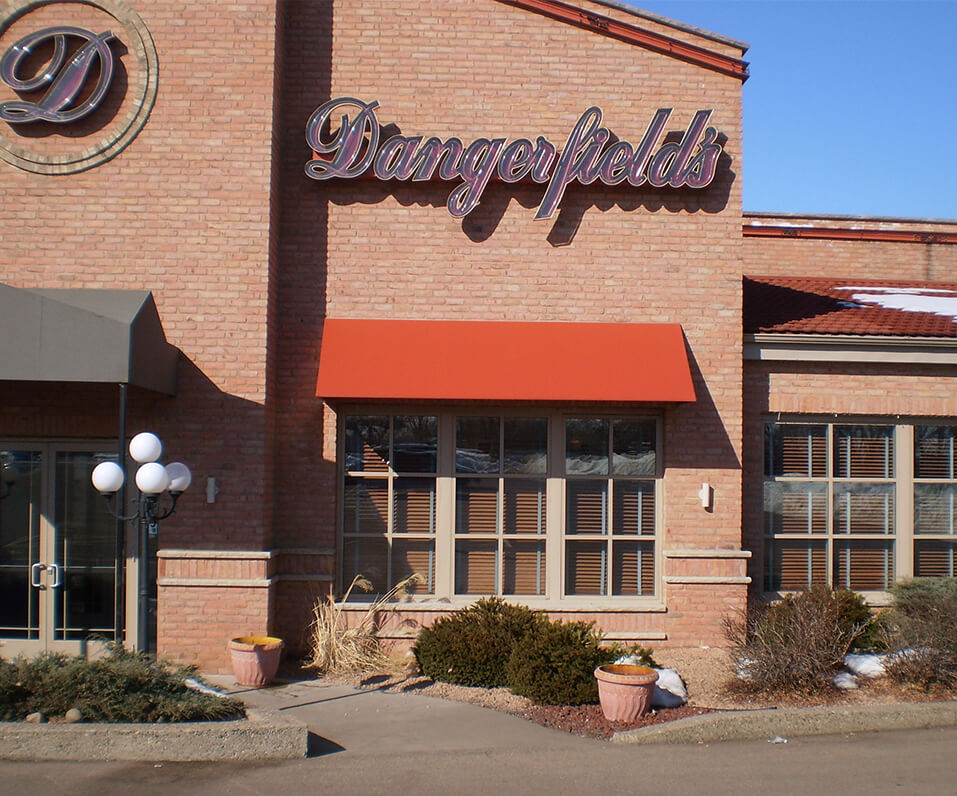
x,y
445,536
903,477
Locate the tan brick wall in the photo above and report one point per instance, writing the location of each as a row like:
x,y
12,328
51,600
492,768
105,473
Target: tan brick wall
x,y
184,211
209,209
850,259
476,68
824,389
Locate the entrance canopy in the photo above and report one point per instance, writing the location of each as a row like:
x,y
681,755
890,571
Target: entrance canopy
x,y
503,361
110,336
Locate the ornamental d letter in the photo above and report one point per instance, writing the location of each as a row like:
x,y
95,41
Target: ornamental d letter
x,y
66,78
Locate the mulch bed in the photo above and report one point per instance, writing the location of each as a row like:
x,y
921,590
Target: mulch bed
x,y
588,721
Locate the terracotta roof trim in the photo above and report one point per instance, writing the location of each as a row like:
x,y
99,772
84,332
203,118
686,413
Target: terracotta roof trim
x,y
828,307
631,34
810,232
673,23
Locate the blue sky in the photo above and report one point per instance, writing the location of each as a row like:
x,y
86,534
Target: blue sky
x,y
851,107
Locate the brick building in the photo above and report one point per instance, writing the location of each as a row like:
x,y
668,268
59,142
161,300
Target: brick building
x,y
581,397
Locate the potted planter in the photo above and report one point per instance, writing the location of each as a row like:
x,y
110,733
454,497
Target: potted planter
x,y
625,690
255,659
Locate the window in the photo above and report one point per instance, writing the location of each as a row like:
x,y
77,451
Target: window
x,y
500,486
609,506
848,505
535,506
388,498
935,501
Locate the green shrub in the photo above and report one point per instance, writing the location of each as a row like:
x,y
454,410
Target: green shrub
x,y
472,646
120,687
923,633
555,665
857,617
798,643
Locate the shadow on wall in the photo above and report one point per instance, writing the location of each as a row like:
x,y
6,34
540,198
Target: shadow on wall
x,y
697,436
483,221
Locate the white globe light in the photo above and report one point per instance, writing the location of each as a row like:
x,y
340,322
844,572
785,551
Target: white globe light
x,y
146,447
108,477
179,477
152,478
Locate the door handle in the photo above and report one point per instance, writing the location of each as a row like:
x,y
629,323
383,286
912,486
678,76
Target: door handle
x,y
35,571
57,576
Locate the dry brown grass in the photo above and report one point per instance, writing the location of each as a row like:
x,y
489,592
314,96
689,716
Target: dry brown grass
x,y
338,648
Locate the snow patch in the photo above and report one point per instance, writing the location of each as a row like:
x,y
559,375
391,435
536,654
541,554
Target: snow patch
x,y
907,299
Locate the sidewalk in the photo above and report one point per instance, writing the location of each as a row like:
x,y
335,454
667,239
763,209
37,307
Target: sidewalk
x,y
400,723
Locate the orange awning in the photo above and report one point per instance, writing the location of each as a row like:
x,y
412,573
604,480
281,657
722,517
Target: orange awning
x,y
503,361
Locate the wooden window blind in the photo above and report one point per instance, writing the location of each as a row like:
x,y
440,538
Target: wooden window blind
x,y
794,450
863,452
634,507
524,567
935,452
368,557
864,508
414,556
524,506
935,508
476,567
934,559
586,568
366,505
476,505
863,565
634,568
797,565
586,507
795,507
414,505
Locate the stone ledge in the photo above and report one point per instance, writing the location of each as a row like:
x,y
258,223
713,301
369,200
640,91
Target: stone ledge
x,y
263,735
794,722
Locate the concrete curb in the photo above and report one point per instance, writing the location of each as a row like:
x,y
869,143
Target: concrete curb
x,y
263,735
794,722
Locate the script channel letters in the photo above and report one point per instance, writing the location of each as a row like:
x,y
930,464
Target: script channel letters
x,y
588,155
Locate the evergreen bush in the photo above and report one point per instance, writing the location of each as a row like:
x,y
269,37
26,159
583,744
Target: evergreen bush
x,y
555,665
472,646
121,687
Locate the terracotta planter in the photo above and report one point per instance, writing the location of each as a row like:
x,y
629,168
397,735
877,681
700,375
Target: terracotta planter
x,y
255,659
625,690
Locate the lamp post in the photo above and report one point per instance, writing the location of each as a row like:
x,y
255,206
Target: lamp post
x,y
157,484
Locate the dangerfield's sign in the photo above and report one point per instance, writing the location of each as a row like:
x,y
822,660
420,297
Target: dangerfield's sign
x,y
589,154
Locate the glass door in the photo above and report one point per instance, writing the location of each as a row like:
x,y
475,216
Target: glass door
x,y
21,567
58,569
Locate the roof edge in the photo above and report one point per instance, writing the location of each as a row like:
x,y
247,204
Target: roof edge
x,y
673,23
836,217
631,34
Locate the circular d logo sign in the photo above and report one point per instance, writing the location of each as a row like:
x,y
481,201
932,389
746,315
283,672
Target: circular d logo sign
x,y
62,107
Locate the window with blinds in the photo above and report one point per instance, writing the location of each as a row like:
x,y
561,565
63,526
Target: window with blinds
x,y
531,506
935,500
389,500
610,471
830,506
500,499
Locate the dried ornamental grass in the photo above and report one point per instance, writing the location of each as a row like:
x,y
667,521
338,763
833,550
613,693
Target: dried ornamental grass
x,y
335,647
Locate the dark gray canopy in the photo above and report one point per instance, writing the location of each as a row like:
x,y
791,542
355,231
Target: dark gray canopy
x,y
84,336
